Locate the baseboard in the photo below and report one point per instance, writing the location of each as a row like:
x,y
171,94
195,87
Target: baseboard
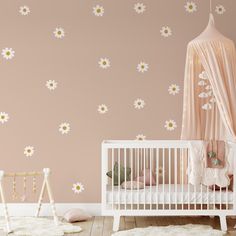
x,y
28,209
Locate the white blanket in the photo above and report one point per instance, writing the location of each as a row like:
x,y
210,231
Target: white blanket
x,y
199,174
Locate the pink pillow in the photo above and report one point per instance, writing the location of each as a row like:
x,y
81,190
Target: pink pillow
x,y
75,215
148,179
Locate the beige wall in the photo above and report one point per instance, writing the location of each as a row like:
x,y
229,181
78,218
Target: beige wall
x,y
121,35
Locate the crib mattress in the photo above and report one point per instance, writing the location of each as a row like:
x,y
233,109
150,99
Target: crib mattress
x,y
168,194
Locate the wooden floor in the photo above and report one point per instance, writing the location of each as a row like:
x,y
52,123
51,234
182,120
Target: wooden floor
x,y
102,226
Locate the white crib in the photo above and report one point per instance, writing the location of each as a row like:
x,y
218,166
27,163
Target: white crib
x,y
171,194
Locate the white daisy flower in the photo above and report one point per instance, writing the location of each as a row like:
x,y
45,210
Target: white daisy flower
x,y
98,10
140,137
139,8
24,10
102,109
170,125
207,106
64,128
220,9
203,95
190,7
104,63
4,117
142,67
29,151
173,89
8,53
203,75
166,31
51,84
160,171
202,83
139,103
78,188
59,33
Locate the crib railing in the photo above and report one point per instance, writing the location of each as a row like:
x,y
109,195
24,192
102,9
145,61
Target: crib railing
x,y
162,166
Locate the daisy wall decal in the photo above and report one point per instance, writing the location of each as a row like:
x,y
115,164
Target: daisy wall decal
x,y
51,84
104,63
190,7
160,171
29,151
4,117
173,89
8,53
142,67
102,109
166,31
78,188
139,104
140,8
24,10
220,9
140,137
170,125
59,33
64,128
98,10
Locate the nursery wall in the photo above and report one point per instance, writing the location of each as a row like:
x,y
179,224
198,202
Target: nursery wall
x,y
34,109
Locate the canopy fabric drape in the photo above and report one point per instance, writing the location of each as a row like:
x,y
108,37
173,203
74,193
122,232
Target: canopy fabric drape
x,y
209,103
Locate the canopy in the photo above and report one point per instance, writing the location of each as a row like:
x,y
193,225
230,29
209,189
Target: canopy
x,y
209,103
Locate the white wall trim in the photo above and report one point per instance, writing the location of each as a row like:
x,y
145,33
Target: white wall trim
x,y
29,209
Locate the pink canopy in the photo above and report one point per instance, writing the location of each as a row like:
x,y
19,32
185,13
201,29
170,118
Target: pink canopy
x,y
209,104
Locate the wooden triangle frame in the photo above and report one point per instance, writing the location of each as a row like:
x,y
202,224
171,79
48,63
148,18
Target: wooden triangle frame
x,y
45,187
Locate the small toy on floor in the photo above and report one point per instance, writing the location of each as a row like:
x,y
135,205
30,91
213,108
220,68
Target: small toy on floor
x,y
76,215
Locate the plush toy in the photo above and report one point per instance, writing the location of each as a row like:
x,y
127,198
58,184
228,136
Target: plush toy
x,y
122,174
148,179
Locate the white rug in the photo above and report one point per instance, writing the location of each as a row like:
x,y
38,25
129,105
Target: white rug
x,y
172,230
32,226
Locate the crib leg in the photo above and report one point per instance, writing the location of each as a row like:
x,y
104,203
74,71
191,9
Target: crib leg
x,y
223,223
116,222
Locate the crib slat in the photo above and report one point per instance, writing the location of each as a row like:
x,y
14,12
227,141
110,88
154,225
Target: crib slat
x,y
131,178
201,198
144,167
208,200
182,178
169,150
125,163
227,198
119,178
157,178
220,198
214,207
189,200
163,178
112,179
150,166
176,176
138,177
